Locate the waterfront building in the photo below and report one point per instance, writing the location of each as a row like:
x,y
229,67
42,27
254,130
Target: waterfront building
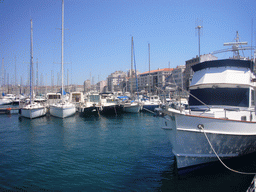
x,y
101,86
87,85
153,80
114,81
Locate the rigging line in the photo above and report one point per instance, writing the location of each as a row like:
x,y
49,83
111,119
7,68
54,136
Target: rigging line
x,y
193,96
240,172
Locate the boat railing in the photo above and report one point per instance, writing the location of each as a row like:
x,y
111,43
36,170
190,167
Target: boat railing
x,y
242,114
252,187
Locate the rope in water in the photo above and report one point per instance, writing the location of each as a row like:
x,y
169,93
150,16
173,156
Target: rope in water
x,y
240,172
148,110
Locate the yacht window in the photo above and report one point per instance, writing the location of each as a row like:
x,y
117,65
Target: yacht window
x,y
221,96
252,98
94,98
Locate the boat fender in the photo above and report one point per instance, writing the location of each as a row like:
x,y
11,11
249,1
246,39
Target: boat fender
x,y
200,126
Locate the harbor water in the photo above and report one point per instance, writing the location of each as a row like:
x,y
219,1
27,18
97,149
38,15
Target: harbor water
x,y
129,152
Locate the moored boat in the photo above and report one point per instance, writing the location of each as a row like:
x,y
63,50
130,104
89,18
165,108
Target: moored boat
x,y
31,109
91,106
110,104
221,108
63,108
129,106
151,103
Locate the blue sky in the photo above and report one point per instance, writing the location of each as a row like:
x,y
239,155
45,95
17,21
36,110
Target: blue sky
x,y
98,34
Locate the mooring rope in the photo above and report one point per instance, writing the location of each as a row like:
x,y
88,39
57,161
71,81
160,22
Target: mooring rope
x,y
148,110
240,172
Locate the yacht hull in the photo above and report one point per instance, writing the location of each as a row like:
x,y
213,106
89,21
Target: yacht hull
x,y
150,107
132,108
111,110
5,101
229,138
31,113
90,111
62,110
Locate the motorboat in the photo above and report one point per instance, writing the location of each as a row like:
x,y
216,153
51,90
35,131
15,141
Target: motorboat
x,y
128,105
220,120
151,103
110,104
91,106
7,99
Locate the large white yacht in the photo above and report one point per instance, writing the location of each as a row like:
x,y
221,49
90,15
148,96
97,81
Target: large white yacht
x,y
220,121
222,106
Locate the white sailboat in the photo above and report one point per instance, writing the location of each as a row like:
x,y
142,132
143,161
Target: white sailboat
x,y
31,109
129,105
63,108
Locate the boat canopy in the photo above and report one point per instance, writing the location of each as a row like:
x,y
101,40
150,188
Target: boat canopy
x,y
223,63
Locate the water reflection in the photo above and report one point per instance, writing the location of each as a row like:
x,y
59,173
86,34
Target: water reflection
x,y
211,177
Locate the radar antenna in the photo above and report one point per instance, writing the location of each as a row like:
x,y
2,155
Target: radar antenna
x,y
235,47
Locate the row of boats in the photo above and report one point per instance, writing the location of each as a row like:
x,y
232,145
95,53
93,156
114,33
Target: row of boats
x,y
90,104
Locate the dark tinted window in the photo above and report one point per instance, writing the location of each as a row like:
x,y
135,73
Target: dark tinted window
x,y
221,96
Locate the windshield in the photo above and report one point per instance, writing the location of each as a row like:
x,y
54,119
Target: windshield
x,y
94,98
221,96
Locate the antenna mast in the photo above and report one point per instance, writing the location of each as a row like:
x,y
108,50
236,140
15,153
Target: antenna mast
x,y
199,28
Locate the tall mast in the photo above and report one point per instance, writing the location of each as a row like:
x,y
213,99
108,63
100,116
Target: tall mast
x,y
15,83
37,82
131,56
131,75
31,61
62,47
3,75
149,86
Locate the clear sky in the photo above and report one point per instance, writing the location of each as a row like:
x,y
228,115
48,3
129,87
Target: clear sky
x,y
98,34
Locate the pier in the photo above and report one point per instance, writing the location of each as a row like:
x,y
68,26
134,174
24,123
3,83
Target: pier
x,y
9,110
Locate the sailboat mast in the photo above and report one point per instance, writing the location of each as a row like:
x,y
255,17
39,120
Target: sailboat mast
x,y
62,47
3,75
131,74
149,85
31,61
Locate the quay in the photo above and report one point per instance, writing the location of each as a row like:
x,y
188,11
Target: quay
x,y
9,110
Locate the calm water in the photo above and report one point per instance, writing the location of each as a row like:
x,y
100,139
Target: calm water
x,y
125,153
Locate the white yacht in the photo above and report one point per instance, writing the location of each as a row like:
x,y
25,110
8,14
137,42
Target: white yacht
x,y
63,108
221,109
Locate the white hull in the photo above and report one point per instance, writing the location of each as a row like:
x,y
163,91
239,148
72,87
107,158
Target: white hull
x,y
132,108
32,112
5,101
62,110
229,138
